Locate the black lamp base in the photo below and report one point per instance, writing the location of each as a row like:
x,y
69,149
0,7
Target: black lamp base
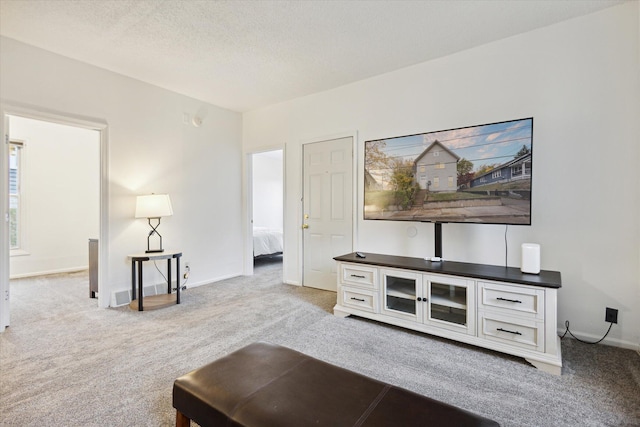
x,y
154,230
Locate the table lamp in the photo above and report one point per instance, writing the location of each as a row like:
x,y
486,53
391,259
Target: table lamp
x,y
153,206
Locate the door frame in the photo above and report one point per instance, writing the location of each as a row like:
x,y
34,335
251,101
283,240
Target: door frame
x,y
15,109
248,200
356,192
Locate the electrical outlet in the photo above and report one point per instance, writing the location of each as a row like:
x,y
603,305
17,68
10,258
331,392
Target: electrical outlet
x,y
611,315
187,270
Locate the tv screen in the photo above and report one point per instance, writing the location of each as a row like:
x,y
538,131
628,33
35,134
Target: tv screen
x,y
475,174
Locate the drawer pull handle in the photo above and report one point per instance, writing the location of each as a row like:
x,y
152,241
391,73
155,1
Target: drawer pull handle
x,y
508,300
358,276
511,332
357,299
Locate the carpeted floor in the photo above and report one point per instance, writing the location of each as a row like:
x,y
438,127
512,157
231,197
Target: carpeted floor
x,y
64,362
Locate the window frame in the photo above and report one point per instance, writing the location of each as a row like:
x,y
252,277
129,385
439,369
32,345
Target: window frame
x,y
21,242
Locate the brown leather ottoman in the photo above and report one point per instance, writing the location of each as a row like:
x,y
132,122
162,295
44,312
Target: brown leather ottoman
x,y
268,385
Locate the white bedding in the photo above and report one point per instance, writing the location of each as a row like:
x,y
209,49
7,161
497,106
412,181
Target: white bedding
x,y
266,241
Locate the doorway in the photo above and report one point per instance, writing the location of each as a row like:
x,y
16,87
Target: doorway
x,y
54,202
49,186
328,184
267,208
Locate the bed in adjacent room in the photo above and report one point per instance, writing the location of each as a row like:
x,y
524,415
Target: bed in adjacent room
x,y
266,241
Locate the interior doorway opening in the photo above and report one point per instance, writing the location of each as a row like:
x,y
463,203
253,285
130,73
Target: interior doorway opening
x,y
267,208
53,194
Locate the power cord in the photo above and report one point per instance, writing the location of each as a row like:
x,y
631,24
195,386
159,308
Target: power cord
x,y
154,263
186,276
566,323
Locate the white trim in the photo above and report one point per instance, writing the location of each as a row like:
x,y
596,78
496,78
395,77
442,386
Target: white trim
x,y
614,342
163,286
103,245
247,201
12,108
18,252
4,221
43,114
248,205
48,272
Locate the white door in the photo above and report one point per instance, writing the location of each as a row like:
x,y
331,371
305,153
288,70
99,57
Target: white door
x,y
328,209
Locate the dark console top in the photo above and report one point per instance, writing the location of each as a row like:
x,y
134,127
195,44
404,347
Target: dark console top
x,y
547,279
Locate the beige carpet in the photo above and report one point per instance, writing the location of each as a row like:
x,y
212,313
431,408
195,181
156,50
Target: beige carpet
x,y
64,362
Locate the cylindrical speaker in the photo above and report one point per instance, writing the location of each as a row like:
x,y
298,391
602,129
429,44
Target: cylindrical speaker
x,y
530,258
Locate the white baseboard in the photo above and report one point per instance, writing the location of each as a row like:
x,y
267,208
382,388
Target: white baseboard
x,y
613,342
123,296
48,272
210,281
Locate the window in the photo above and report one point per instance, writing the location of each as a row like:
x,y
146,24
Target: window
x,y
450,182
497,174
15,204
439,165
436,182
436,153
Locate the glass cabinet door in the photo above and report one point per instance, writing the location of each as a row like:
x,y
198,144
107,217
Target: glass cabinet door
x,y
450,303
401,293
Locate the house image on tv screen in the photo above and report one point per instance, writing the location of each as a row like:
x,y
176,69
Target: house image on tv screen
x,y
435,169
514,170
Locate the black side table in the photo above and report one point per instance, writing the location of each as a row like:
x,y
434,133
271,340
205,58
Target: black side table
x,y
153,301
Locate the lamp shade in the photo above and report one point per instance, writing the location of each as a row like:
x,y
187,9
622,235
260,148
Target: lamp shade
x,y
153,206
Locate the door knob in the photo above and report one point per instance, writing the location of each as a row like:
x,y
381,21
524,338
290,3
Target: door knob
x,y
305,226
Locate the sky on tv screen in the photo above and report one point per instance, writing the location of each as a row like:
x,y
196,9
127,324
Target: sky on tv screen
x,y
482,145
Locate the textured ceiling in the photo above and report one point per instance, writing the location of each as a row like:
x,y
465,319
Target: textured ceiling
x,y
243,55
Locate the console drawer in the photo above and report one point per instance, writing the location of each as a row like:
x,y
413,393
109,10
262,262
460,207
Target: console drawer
x,y
360,275
361,299
516,332
511,300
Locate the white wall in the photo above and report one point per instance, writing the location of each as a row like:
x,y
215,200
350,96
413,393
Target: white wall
x,y
268,189
151,149
60,196
580,81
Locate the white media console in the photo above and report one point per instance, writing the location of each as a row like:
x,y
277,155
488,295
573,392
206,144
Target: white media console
x,y
499,308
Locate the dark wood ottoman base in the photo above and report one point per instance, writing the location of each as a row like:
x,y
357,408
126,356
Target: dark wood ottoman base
x,y
268,385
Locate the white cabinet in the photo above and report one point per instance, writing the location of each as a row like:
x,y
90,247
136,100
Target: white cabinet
x,y
493,307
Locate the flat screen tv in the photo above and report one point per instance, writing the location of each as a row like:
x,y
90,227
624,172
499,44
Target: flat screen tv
x,y
476,174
